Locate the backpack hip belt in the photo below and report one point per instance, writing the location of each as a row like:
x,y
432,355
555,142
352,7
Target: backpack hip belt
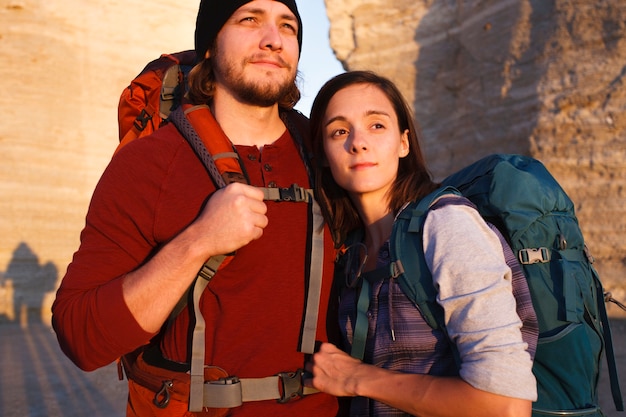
x,y
220,390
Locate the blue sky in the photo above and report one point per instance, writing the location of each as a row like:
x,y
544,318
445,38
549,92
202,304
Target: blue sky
x,y
318,62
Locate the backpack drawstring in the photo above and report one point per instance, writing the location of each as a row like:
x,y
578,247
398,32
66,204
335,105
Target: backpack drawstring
x,y
390,306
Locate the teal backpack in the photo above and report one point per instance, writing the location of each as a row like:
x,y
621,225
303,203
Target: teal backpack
x,y
520,197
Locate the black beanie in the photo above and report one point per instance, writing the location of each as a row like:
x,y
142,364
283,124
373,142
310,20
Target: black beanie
x,y
214,13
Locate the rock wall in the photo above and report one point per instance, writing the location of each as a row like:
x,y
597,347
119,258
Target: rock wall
x,y
64,65
538,77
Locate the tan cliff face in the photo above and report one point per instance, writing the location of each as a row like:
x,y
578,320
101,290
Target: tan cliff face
x,y
64,65
540,78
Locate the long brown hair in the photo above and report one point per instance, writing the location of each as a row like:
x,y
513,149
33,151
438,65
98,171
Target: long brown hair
x,y
202,84
413,180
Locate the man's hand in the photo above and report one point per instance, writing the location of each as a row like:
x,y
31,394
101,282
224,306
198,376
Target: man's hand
x,y
233,217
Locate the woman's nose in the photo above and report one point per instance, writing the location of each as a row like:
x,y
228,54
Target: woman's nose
x,y
358,142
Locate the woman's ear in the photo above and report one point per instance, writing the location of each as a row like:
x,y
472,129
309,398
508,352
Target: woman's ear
x,y
404,144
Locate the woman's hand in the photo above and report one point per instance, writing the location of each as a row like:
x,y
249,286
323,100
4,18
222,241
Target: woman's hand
x,y
334,371
337,373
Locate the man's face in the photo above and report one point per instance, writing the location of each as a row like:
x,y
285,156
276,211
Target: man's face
x,y
256,54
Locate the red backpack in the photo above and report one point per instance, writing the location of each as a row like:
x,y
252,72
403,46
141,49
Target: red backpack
x,y
153,94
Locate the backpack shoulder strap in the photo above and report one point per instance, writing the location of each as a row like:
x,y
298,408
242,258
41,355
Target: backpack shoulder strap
x,y
413,275
407,256
209,142
608,342
220,158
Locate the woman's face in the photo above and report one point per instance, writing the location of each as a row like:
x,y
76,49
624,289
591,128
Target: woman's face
x,y
362,141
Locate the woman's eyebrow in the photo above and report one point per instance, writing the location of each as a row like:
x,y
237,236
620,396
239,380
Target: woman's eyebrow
x,y
367,113
335,119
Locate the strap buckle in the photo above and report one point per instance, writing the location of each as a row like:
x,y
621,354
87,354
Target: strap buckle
x,y
293,193
210,267
291,385
142,120
530,256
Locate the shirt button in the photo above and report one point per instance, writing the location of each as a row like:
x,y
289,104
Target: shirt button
x,y
272,185
252,157
267,167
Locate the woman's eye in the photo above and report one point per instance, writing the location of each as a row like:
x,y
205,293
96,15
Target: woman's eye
x,y
338,132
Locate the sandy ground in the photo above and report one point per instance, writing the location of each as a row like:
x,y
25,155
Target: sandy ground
x,y
37,380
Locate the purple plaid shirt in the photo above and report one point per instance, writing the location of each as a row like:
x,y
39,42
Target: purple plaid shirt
x,y
399,338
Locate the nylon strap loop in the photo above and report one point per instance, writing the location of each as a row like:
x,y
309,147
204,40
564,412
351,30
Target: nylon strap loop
x,y
196,387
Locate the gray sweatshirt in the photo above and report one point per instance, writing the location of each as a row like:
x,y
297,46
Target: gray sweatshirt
x,y
474,284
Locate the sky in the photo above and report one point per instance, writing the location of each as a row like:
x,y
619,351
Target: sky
x,y
318,62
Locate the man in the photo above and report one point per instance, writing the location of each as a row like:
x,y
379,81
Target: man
x,y
155,218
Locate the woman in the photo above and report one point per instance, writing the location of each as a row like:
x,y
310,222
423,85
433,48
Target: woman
x,y
370,166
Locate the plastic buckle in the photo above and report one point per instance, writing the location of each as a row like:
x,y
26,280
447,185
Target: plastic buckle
x,y
228,380
530,256
142,120
291,386
210,267
293,193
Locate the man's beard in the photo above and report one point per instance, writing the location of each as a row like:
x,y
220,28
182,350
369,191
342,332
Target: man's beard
x,y
259,94
264,93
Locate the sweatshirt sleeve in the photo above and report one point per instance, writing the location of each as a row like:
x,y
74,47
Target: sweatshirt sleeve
x,y
93,324
474,289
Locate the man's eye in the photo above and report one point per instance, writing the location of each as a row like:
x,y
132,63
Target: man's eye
x,y
290,27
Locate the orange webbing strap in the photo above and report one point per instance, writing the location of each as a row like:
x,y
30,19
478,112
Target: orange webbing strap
x,y
215,141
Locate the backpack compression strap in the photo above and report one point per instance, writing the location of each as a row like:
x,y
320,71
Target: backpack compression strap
x,y
234,172
608,342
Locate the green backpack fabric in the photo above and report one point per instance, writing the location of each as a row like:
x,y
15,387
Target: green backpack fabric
x,y
519,196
